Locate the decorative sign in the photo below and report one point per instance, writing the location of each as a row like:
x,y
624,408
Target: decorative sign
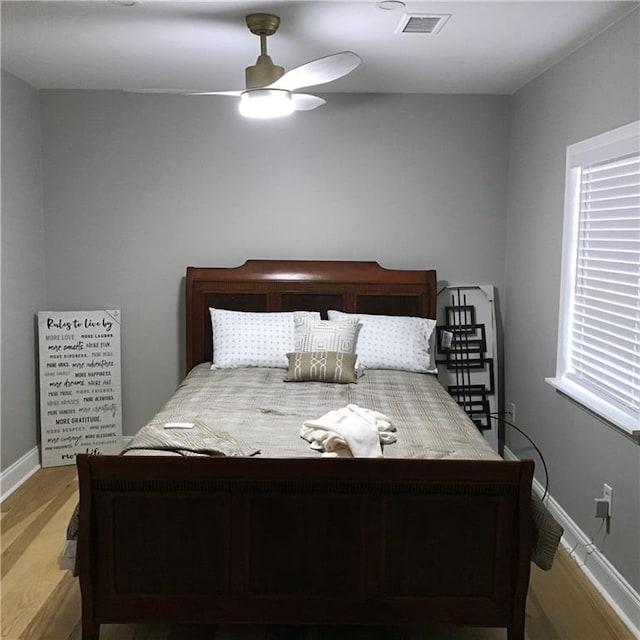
x,y
80,395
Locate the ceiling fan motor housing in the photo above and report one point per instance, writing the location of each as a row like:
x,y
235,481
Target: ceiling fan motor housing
x,y
262,73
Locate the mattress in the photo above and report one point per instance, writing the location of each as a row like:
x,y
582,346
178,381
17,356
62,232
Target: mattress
x,y
253,411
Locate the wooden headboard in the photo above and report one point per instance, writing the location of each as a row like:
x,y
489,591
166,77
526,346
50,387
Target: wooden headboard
x,y
301,285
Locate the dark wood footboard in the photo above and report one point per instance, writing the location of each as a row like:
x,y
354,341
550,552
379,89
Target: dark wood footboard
x,y
303,541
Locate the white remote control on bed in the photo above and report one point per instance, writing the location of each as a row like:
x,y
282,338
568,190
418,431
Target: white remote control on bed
x,y
178,425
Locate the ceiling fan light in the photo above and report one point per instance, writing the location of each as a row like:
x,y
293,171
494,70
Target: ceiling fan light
x,y
266,103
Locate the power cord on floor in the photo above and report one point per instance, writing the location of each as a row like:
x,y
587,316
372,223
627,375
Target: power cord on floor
x,y
500,416
590,546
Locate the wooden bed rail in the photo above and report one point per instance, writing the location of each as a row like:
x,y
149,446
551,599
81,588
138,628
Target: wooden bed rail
x,y
303,541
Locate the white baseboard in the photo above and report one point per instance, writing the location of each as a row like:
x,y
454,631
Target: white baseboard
x,y
613,587
20,471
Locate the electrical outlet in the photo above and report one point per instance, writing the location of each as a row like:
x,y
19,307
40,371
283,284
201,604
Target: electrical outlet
x,y
604,505
512,412
607,494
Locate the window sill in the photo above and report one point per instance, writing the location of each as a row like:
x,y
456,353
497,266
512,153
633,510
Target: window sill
x,y
612,416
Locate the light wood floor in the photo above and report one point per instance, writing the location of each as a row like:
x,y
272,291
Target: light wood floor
x,y
41,602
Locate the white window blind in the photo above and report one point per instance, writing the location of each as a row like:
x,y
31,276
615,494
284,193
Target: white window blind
x,y
599,336
605,324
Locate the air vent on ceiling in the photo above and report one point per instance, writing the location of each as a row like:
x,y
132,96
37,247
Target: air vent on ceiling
x,y
429,23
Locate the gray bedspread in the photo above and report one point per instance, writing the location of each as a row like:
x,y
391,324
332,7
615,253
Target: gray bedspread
x,y
255,408
252,411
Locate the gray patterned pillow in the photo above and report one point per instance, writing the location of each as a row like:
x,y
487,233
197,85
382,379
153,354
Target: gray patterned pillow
x,y
322,366
313,334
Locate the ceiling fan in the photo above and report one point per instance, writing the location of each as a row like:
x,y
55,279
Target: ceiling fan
x,y
269,91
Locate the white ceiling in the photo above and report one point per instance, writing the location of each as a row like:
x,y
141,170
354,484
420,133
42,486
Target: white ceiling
x,y
486,47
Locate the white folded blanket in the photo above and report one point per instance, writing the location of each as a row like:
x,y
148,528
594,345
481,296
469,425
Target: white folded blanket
x,y
352,432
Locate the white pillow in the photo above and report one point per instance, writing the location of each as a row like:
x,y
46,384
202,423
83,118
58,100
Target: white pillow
x,y
313,334
249,339
394,342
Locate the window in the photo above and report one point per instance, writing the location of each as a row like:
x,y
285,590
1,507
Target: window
x,y
598,361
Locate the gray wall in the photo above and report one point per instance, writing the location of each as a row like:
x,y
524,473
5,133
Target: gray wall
x,y
138,187
23,265
594,90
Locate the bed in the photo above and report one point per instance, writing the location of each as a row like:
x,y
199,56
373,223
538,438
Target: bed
x,y
249,532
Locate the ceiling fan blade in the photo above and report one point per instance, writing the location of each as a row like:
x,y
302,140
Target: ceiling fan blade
x,y
182,92
186,92
306,102
318,71
234,94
